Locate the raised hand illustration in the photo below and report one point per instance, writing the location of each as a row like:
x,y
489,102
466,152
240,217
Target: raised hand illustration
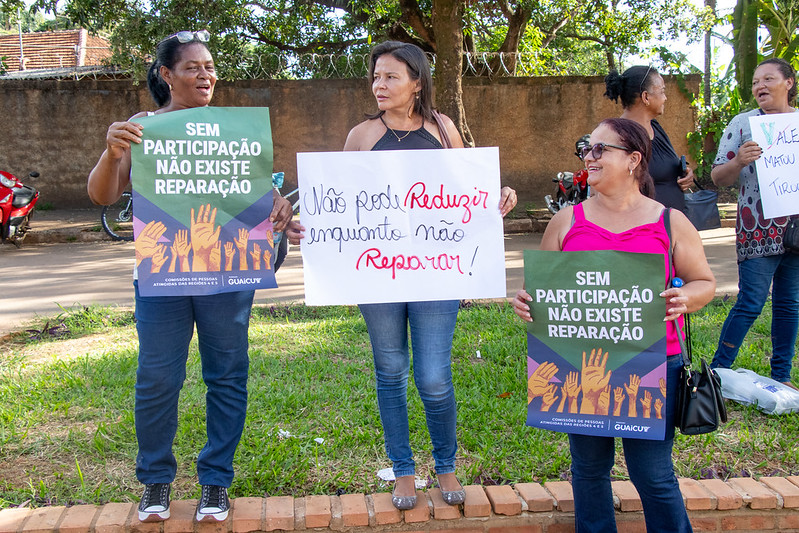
x,y
180,251
662,385
593,380
241,244
147,241
571,389
604,401
632,394
215,258
267,260
659,409
618,400
230,251
646,404
159,258
256,256
549,397
270,238
538,383
204,236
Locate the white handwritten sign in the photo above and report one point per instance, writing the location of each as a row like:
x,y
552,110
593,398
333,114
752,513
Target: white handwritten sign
x,y
401,226
777,168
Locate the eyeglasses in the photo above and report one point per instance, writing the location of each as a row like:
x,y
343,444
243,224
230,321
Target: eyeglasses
x,y
598,149
640,87
186,36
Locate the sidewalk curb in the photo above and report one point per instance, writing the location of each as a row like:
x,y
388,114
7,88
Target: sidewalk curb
x,y
740,504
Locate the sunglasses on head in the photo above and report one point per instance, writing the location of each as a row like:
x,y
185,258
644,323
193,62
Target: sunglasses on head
x,y
643,80
184,37
598,149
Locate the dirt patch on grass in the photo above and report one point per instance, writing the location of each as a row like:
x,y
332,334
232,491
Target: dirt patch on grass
x,y
16,348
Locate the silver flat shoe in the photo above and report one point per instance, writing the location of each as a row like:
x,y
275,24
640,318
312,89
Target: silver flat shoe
x,y
454,497
403,503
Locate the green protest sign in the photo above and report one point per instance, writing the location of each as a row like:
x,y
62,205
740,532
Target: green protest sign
x,y
597,342
202,193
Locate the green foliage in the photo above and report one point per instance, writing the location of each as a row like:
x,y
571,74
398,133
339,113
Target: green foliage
x,y
710,123
781,19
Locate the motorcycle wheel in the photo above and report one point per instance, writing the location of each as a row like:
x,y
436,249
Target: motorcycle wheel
x,y
562,201
117,218
22,231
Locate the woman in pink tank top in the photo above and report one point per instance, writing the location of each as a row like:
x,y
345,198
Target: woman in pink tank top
x,y
622,215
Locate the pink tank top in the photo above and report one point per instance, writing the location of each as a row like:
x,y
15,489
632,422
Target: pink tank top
x,y
651,238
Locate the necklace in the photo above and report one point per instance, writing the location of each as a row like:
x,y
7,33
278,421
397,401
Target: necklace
x,y
399,139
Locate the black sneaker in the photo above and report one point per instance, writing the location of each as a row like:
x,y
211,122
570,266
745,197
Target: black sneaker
x,y
214,504
154,504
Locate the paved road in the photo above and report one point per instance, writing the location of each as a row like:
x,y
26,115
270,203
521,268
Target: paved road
x,y
41,279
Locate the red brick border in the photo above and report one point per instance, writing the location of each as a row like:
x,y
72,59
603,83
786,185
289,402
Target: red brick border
x,y
740,504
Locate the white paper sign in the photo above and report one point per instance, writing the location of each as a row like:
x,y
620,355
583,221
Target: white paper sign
x,y
777,168
401,226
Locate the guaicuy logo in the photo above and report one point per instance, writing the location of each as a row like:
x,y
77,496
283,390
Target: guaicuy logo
x,y
621,426
243,281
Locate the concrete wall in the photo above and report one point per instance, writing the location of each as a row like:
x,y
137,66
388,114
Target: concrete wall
x,y
58,127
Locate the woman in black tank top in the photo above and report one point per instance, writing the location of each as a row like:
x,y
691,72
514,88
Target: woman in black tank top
x,y
403,87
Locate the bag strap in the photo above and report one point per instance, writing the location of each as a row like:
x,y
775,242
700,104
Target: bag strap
x,y
442,130
685,344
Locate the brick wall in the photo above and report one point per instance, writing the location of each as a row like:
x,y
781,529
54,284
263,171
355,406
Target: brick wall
x,y
58,127
741,504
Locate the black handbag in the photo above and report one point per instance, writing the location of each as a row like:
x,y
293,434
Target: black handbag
x,y
790,236
701,208
700,405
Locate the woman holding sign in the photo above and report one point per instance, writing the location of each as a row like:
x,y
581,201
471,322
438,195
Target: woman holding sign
x,y
622,215
403,88
763,261
182,77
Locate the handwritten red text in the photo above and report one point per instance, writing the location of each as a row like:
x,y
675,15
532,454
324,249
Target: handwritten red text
x,y
374,258
417,197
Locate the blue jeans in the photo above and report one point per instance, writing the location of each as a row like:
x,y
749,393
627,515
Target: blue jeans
x,y
755,276
165,326
649,465
432,326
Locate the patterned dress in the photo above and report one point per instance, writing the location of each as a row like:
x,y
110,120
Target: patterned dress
x,y
757,236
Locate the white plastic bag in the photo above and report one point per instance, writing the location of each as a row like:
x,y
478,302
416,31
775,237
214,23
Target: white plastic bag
x,y
747,387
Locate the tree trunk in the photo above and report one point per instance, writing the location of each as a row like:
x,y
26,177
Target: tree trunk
x,y
448,29
706,94
744,40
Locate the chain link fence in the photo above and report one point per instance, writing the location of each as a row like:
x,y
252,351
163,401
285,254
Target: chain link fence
x,y
300,66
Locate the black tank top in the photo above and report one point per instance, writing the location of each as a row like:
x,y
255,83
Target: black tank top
x,y
420,139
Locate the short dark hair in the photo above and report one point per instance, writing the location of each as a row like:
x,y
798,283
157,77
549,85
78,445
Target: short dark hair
x,y
630,85
788,73
635,137
418,69
167,53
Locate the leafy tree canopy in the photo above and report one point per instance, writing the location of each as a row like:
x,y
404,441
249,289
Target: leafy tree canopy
x,y
555,36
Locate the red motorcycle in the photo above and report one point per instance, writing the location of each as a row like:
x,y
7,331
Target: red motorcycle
x,y
16,207
572,186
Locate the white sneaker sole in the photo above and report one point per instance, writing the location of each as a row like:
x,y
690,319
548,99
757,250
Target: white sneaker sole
x,y
209,517
158,516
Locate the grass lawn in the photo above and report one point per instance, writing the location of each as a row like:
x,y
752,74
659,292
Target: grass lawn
x,y
66,410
